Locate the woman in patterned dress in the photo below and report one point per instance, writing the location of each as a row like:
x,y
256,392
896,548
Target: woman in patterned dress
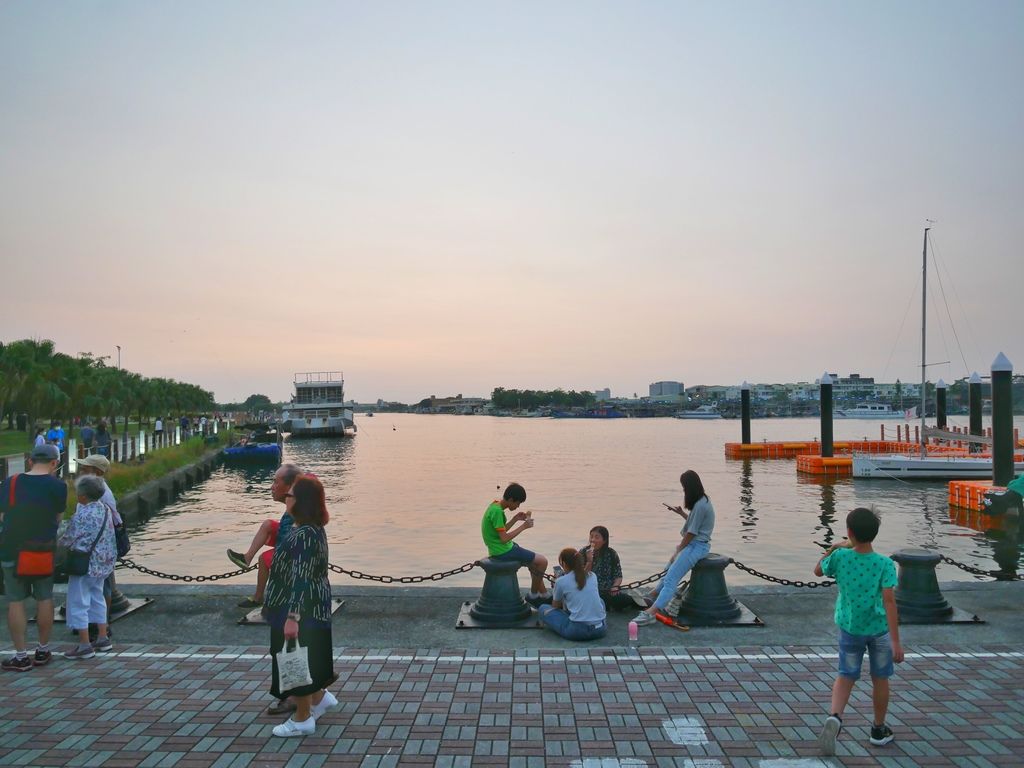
x,y
298,605
603,562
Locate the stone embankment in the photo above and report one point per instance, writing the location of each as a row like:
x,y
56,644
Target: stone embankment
x,y
140,504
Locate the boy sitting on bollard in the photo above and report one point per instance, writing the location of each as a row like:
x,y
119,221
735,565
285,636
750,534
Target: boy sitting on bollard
x,y
498,534
867,619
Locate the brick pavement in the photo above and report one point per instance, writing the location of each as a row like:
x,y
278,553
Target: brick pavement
x,y
193,707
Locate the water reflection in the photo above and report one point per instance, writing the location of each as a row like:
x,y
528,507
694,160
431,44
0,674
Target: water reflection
x,y
748,515
409,500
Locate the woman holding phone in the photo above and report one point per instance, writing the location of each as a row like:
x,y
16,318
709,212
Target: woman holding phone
x,y
695,543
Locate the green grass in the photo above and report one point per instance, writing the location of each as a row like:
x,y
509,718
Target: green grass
x,y
14,442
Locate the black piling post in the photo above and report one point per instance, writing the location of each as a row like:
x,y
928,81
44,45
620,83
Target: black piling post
x,y
826,416
940,405
1002,420
974,399
745,412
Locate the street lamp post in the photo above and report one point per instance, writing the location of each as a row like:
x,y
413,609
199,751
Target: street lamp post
x,y
118,356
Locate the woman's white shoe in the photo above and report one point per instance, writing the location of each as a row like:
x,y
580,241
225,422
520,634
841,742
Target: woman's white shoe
x,y
292,728
327,703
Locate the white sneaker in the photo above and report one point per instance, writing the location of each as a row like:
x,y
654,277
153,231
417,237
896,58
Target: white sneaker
x,y
327,703
291,728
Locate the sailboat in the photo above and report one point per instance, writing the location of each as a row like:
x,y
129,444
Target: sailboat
x,y
923,466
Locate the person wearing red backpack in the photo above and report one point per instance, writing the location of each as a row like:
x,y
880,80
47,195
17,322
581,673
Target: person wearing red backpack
x,y
31,506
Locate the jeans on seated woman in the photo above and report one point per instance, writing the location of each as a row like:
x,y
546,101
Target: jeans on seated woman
x,y
576,611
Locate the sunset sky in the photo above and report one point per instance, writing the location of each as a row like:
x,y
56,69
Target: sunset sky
x,y
441,198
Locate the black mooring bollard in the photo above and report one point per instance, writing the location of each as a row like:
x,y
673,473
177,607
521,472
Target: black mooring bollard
x,y
918,598
825,384
501,604
707,602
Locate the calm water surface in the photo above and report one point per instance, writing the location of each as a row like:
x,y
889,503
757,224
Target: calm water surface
x,y
407,494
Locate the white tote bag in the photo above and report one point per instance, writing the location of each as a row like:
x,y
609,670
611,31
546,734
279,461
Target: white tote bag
x,y
292,667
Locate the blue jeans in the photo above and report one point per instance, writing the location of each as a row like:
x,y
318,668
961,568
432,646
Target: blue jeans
x,y
851,654
684,561
558,621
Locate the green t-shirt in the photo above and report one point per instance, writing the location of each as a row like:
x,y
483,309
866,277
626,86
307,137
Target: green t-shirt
x,y
494,521
860,577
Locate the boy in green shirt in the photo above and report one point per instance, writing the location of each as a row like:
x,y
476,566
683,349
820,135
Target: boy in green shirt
x,y
498,536
867,619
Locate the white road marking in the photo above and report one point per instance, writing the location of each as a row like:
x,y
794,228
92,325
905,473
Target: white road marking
x,y
685,731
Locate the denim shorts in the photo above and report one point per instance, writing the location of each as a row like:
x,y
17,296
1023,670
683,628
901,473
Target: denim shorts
x,y
517,554
19,587
851,654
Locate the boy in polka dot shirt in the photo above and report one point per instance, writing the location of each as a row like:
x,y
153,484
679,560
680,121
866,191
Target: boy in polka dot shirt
x,y
867,620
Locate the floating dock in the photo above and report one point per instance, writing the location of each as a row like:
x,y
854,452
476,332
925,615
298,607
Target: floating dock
x,y
792,449
822,466
970,494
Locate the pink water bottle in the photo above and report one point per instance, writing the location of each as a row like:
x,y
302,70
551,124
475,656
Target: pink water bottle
x,y
634,634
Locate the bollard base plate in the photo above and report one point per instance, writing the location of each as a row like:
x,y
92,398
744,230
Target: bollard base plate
x,y
465,621
255,616
134,604
957,617
747,618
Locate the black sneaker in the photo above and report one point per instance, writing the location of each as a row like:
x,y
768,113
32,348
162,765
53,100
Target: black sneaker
x,y
881,735
827,737
41,658
237,559
14,664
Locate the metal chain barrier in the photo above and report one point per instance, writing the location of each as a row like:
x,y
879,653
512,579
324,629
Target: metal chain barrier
x,y
778,580
402,579
177,577
1001,575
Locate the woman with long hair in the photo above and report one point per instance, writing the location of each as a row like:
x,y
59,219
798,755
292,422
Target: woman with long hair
x,y
603,561
695,544
576,611
298,605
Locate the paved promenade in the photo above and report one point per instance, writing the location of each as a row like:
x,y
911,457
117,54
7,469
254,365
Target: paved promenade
x,y
697,702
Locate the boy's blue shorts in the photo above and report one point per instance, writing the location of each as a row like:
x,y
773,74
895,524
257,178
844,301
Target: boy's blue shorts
x,y
851,654
517,554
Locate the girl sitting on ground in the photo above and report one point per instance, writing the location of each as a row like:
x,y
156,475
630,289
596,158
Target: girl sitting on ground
x,y
603,562
576,611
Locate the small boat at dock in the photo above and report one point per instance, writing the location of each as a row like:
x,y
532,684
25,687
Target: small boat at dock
x,y
702,412
261,445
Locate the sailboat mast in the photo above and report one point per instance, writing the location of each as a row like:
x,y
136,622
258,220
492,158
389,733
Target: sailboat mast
x,y
924,317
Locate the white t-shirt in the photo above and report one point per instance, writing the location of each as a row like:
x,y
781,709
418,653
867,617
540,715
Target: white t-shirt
x,y
159,426
582,605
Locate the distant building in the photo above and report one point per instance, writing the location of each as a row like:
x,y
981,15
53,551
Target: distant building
x,y
602,394
665,389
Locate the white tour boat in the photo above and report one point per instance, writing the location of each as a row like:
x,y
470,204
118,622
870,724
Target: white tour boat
x,y
701,412
318,407
868,411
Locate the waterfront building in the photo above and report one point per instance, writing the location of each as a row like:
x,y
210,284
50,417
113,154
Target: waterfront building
x,y
665,389
600,395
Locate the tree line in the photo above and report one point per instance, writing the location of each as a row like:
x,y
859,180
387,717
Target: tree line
x,y
41,383
532,399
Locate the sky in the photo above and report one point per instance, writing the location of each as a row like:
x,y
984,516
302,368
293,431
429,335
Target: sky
x,y
447,197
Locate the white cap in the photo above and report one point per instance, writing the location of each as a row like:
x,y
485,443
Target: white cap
x,y
825,378
1001,363
745,386
975,378
940,384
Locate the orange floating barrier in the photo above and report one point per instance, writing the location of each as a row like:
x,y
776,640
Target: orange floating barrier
x,y
970,494
834,466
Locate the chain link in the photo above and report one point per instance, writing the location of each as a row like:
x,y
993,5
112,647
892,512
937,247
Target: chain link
x,y
778,580
1001,575
403,579
465,568
178,577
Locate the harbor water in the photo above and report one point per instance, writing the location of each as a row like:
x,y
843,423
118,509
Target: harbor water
x,y
406,496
